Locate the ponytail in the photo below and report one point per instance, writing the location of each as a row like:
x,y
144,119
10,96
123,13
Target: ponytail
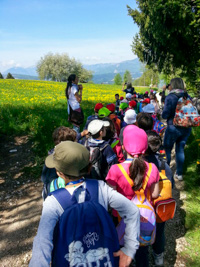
x,y
70,79
137,171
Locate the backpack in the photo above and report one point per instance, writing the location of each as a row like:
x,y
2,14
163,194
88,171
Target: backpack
x,y
165,205
186,114
85,234
96,158
147,214
158,126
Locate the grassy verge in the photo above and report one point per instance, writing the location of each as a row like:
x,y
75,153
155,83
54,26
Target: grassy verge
x,y
192,187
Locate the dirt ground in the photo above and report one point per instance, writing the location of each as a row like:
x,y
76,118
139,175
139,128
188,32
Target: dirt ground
x,y
21,205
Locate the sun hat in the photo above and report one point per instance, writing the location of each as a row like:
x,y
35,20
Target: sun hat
x,y
98,106
146,100
130,116
103,112
111,107
128,96
149,108
132,103
96,125
123,106
69,158
135,140
154,92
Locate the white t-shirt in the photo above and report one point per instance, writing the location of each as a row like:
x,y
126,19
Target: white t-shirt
x,y
72,101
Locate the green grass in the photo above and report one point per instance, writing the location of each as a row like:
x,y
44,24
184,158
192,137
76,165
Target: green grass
x,y
192,203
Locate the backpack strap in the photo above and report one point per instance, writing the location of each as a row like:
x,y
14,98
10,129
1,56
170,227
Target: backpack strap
x,y
63,197
140,193
66,199
130,181
114,143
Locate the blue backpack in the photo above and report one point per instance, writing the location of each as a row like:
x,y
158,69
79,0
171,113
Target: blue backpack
x,y
85,234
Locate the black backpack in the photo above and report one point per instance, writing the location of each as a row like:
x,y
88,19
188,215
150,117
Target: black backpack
x,y
96,158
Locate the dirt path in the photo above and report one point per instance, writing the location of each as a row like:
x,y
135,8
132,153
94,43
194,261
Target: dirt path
x,y
21,205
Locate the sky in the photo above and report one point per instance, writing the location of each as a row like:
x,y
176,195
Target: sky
x,y
91,31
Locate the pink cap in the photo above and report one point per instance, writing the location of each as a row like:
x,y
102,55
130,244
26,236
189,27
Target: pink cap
x,y
135,140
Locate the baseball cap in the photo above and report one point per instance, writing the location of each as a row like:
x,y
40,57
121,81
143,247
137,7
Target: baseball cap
x,y
96,125
98,106
135,140
111,107
146,92
146,100
149,108
130,116
132,103
103,112
70,158
123,106
121,98
128,95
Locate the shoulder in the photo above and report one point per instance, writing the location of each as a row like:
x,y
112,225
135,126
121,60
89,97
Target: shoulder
x,y
154,175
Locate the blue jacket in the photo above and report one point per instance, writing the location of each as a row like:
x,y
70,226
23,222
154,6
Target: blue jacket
x,y
170,106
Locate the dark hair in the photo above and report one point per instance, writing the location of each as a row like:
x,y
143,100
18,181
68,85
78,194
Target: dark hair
x,y
95,136
110,130
70,79
137,171
144,121
129,85
63,133
116,94
154,142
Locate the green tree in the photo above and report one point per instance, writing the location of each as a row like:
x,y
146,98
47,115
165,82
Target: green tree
x,y
127,77
58,67
118,79
169,35
1,76
149,76
9,76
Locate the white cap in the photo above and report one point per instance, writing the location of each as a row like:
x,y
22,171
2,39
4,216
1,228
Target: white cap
x,y
130,116
128,95
149,108
96,125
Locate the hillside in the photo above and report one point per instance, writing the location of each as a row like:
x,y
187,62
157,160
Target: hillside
x,y
102,73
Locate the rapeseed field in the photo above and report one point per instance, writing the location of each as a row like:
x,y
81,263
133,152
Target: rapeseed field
x,y
36,108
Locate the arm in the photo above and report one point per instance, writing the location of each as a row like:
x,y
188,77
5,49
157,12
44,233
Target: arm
x,y
167,108
43,242
155,190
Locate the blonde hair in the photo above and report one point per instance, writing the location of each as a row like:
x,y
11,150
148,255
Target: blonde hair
x,y
177,83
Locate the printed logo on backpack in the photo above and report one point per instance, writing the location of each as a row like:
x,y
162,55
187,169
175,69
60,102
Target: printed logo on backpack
x,y
85,234
147,214
186,114
165,205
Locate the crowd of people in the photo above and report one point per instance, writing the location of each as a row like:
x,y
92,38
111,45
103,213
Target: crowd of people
x,y
120,147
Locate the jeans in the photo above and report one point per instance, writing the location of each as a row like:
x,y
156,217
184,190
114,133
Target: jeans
x,y
178,135
159,244
142,257
76,128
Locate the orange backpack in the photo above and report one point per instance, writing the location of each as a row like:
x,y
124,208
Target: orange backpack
x,y
165,205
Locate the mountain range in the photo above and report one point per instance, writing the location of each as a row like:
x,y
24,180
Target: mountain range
x,y
102,73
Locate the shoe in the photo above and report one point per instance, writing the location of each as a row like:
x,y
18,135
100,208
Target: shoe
x,y
179,177
158,259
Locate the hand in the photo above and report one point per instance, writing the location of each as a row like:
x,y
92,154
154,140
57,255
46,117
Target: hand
x,y
164,87
124,260
80,87
84,133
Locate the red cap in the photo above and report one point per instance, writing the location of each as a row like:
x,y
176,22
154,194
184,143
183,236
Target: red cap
x,y
121,98
132,103
111,107
146,100
98,106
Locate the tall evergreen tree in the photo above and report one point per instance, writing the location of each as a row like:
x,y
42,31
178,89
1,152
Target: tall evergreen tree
x,y
1,76
9,76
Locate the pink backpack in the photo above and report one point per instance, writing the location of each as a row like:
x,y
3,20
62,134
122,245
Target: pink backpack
x,y
147,214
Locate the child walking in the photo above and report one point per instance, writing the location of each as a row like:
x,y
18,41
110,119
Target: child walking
x,y
135,143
